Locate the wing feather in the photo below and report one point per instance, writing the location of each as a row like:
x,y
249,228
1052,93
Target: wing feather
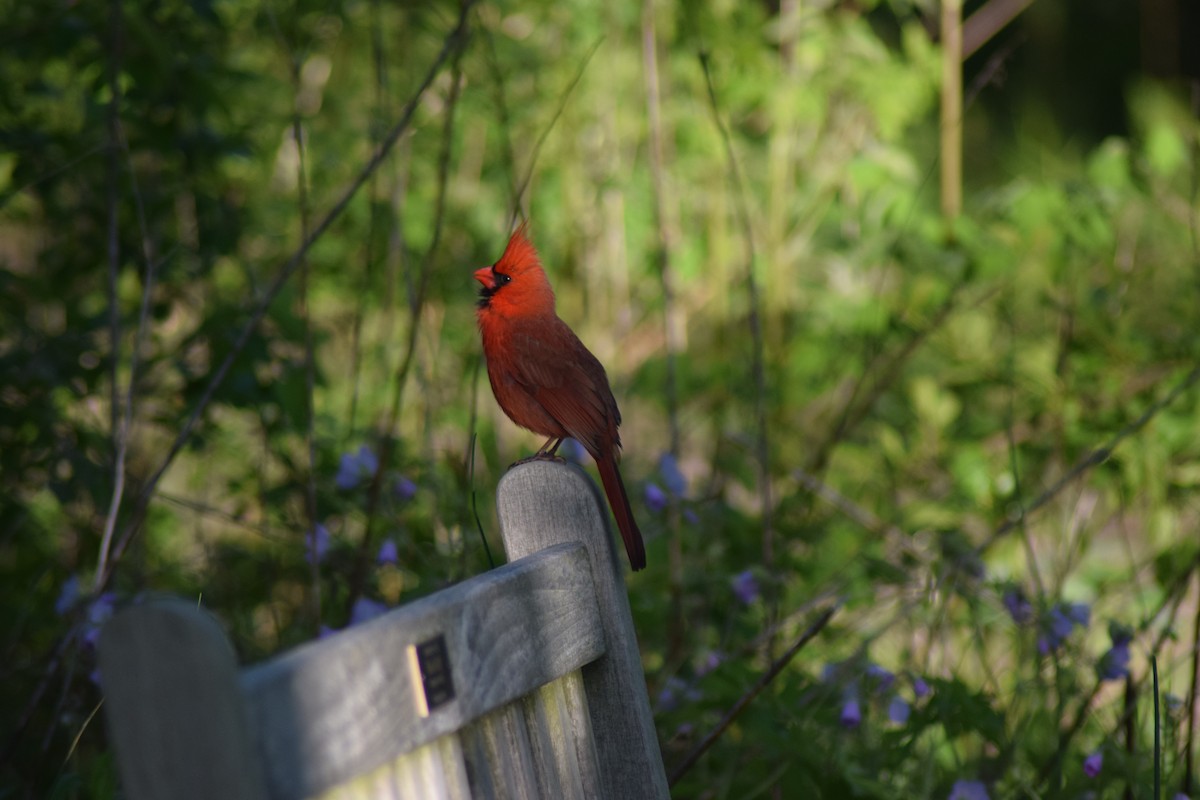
x,y
567,381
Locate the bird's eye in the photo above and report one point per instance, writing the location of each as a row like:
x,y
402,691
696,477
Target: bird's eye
x,y
501,278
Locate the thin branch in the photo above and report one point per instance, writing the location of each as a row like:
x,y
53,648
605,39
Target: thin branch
x,y
951,109
379,59
757,368
1193,698
562,105
310,483
744,701
1014,461
453,44
987,21
362,559
60,649
672,323
1092,459
500,97
116,418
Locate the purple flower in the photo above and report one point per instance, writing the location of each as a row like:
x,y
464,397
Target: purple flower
x,y
1093,763
99,612
745,587
882,678
1058,623
1079,613
1114,665
366,609
1017,605
67,595
690,516
387,553
674,690
318,544
572,450
354,467
668,470
898,710
1180,796
711,662
851,713
920,687
403,488
968,790
656,501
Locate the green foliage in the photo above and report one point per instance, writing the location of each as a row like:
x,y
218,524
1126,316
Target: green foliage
x,y
927,383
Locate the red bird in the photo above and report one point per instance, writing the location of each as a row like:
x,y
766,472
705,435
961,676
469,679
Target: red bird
x,y
545,379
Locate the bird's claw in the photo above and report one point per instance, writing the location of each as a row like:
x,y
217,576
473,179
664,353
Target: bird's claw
x,y
539,457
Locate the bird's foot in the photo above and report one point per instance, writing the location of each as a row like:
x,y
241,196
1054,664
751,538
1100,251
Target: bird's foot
x,y
539,457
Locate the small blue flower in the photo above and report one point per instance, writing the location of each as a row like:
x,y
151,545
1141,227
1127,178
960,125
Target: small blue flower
x,y
920,687
674,690
898,710
668,470
881,677
851,715
968,790
745,587
356,466
366,609
656,501
387,553
1114,665
1060,624
99,612
67,595
403,488
1093,764
1017,605
572,450
318,544
1079,613
690,516
711,662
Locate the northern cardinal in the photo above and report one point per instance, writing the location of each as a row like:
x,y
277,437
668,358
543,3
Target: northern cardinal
x,y
545,379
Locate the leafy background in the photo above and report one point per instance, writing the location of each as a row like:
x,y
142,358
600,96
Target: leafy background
x,y
976,436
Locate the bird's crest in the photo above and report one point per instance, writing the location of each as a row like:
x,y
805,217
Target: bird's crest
x,y
520,255
516,285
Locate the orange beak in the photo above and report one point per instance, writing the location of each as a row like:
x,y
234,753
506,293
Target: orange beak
x,y
487,277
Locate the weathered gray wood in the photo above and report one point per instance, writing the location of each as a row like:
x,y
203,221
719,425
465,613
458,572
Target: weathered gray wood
x,y
435,771
500,758
338,708
174,707
563,744
542,504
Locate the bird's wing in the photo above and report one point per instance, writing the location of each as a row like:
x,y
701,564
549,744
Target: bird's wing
x,y
567,381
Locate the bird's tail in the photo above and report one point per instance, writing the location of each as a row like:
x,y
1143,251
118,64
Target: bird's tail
x,y
614,487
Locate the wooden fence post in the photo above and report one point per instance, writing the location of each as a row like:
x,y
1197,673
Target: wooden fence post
x,y
182,730
544,503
